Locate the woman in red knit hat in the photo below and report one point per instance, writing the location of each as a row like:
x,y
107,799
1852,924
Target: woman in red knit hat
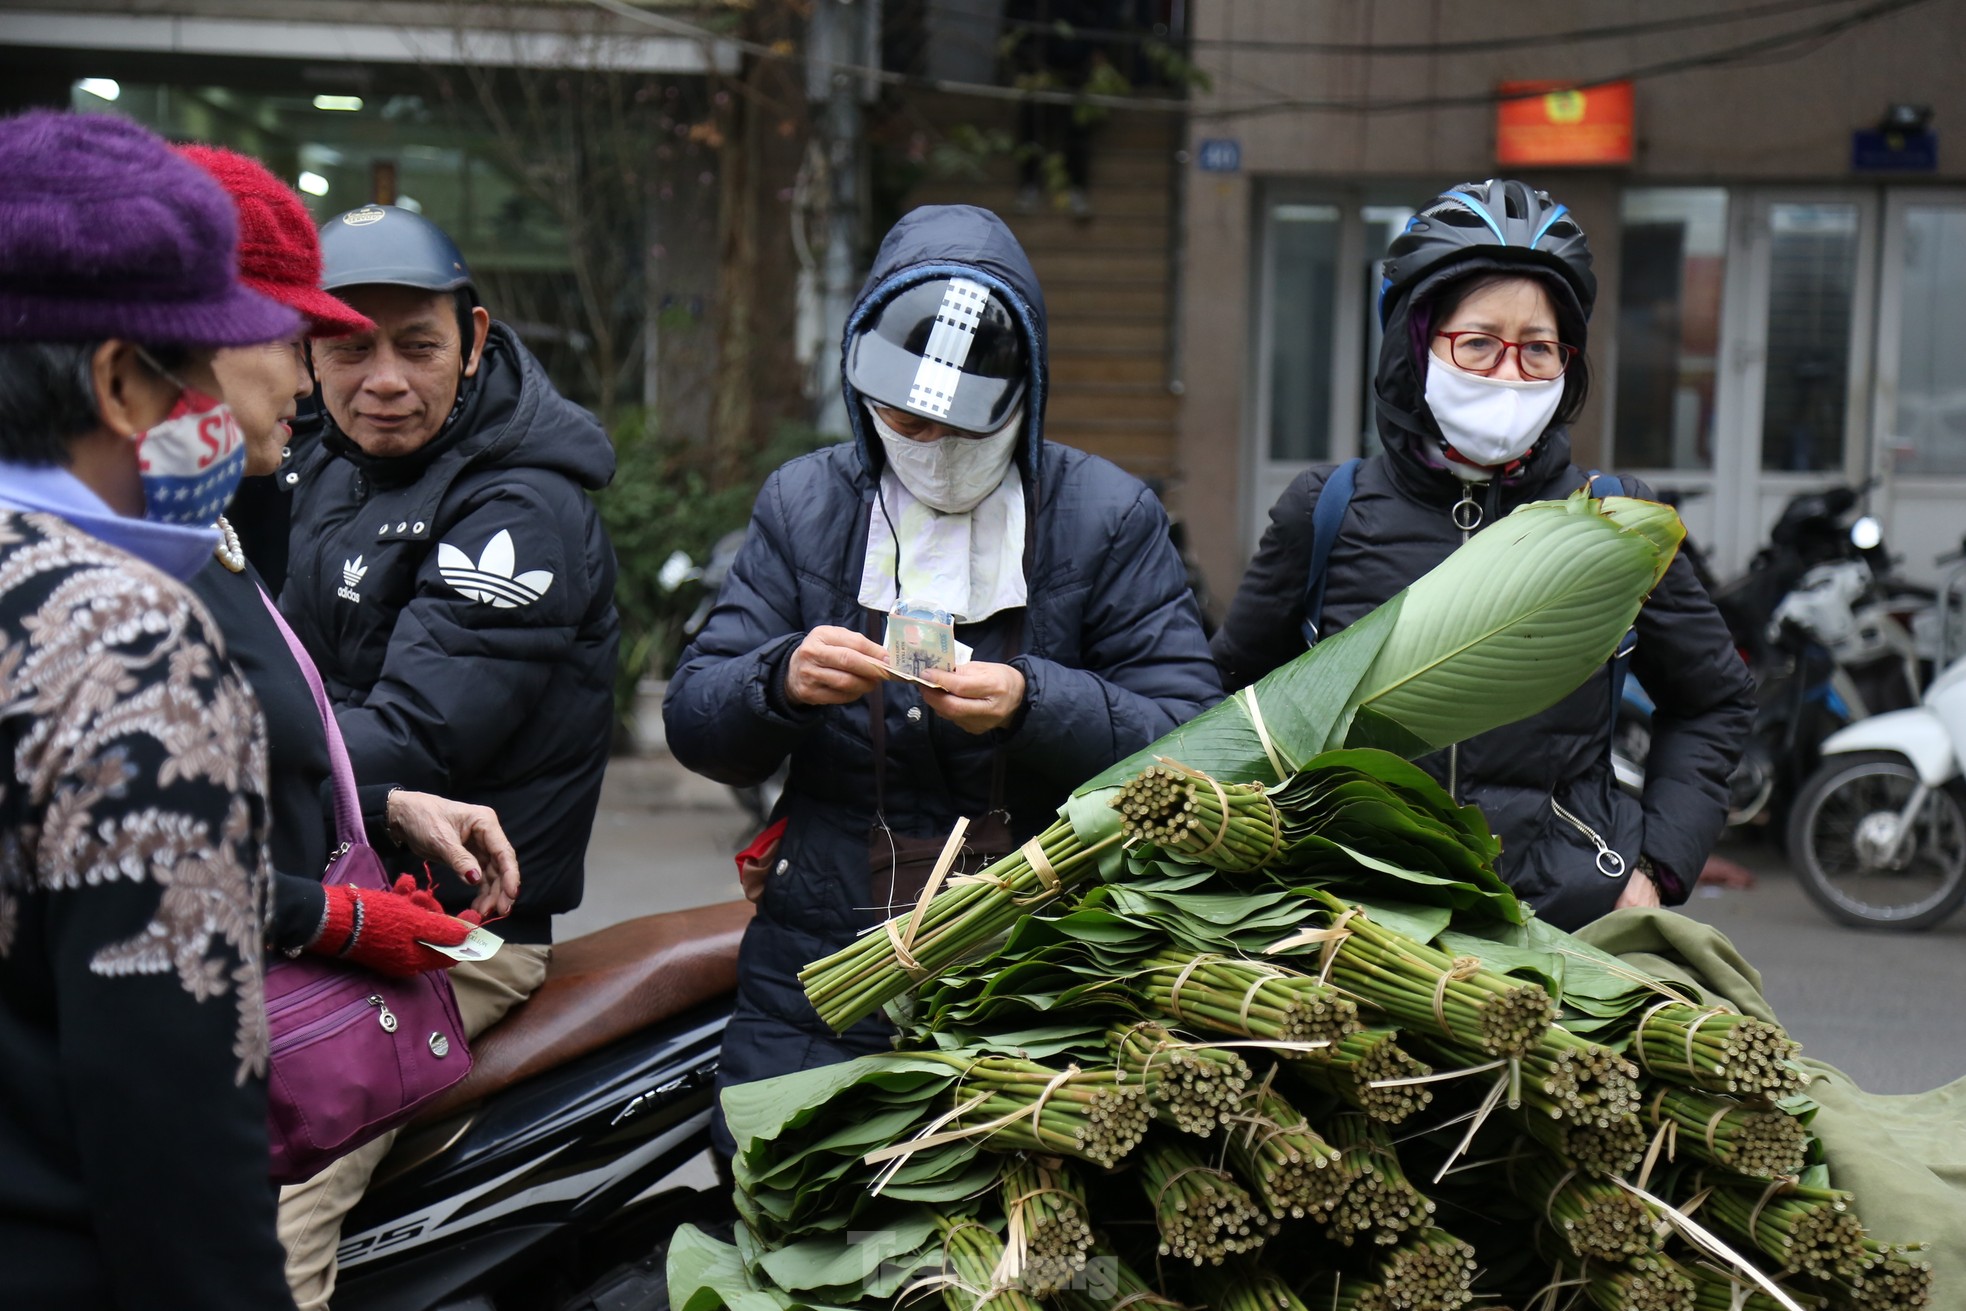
x,y
280,257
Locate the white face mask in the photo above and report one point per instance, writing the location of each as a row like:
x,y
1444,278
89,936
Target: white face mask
x,y
1491,421
951,474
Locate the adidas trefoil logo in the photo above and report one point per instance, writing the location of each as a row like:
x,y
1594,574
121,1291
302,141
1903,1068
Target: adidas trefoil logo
x,y
352,573
492,579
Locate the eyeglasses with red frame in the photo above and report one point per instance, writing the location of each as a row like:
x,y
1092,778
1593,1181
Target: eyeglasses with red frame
x,y
1483,352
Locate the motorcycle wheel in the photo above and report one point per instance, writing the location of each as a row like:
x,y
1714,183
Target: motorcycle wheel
x,y
1841,830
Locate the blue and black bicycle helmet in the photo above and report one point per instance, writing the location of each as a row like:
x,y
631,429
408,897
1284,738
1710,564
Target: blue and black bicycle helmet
x,y
1499,219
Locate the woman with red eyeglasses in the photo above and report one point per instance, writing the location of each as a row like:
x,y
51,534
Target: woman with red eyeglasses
x,y
1486,302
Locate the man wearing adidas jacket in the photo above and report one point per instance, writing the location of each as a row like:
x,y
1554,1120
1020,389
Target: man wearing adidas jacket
x,y
452,580
448,570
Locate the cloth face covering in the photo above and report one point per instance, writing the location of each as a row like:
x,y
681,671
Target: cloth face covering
x,y
1491,421
969,563
191,463
951,474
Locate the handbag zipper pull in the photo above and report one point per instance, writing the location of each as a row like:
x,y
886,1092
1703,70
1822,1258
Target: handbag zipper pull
x,y
384,1016
1609,863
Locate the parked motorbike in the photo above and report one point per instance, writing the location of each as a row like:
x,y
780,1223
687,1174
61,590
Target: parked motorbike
x,y
1817,617
1878,833
548,1179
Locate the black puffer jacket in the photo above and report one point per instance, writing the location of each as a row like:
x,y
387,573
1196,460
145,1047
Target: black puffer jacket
x,y
1112,653
460,604
1398,526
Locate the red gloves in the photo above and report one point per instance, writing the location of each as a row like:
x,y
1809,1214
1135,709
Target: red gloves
x,y
381,930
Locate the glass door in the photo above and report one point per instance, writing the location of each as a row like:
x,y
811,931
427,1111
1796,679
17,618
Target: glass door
x,y
1665,387
1793,411
1919,411
1317,335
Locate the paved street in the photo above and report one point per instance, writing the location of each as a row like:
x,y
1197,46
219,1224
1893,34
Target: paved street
x,y
1888,1008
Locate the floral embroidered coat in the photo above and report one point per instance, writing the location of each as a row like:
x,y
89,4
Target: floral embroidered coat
x,y
133,1151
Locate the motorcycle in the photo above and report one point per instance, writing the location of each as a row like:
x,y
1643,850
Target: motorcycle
x,y
1878,833
554,1173
1824,627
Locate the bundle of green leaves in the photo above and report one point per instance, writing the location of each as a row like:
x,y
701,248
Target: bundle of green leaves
x,y
1564,1119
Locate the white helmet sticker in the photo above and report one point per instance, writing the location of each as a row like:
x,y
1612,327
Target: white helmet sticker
x,y
941,369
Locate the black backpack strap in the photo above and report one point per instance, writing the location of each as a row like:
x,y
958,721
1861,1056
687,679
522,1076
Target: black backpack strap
x,y
1326,516
1601,485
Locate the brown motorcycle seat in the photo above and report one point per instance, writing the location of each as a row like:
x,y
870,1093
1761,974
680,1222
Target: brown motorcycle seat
x,y
601,987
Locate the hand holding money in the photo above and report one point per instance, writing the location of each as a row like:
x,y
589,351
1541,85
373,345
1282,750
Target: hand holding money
x,y
978,696
833,666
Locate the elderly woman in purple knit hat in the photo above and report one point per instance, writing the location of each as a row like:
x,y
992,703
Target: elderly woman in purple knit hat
x,y
133,1151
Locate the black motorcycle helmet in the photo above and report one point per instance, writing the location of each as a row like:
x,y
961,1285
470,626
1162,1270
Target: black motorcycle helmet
x,y
390,246
1499,220
946,348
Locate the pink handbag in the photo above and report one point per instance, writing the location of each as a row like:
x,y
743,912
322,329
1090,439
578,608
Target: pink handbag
x,y
353,1053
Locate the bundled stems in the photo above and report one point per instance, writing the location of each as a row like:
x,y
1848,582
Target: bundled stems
x,y
1192,1087
1597,1219
1345,1293
971,1254
1602,1151
1363,1070
1811,1230
1716,1290
1233,827
1110,1284
1017,1105
1579,1082
1430,1270
1759,1142
1204,1215
1252,1288
1378,1201
1718,1051
1047,1237
1293,1170
883,964
1423,988
1250,999
1638,1283
1895,1277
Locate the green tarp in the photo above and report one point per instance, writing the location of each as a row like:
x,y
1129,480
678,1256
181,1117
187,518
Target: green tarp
x,y
1903,1156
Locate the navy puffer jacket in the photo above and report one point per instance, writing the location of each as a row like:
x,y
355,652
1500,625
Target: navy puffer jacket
x,y
1111,649
1399,524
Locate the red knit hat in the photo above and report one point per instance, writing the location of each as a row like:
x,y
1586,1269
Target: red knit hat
x,y
279,248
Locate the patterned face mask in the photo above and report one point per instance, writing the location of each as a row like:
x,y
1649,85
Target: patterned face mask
x,y
191,462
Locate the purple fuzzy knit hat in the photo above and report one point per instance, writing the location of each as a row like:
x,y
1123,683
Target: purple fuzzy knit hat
x,y
105,231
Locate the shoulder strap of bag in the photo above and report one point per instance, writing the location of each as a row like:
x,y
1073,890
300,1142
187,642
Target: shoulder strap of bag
x,y
1326,516
1601,485
347,812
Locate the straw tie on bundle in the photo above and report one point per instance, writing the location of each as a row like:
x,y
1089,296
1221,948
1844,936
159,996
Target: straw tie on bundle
x,y
1233,827
1193,1086
1246,998
1046,1235
1717,1050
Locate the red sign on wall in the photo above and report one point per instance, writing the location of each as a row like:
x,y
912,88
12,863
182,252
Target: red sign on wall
x,y
1546,126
